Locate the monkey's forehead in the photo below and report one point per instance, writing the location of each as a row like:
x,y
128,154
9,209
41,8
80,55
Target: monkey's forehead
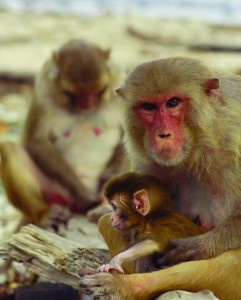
x,y
171,66
120,197
165,75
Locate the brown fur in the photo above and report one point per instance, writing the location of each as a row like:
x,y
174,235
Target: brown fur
x,y
160,224
71,139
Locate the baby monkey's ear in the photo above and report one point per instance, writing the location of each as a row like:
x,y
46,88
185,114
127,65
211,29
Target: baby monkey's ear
x,y
142,202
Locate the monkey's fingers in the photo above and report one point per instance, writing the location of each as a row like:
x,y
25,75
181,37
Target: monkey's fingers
x,y
104,268
168,260
182,251
118,269
108,268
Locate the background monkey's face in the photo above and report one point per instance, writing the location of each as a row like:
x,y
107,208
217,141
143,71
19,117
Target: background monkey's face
x,y
82,75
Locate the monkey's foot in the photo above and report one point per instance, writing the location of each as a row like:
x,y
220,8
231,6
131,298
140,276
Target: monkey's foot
x,y
101,285
107,286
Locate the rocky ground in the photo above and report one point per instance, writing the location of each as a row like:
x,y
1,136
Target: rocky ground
x,y
26,41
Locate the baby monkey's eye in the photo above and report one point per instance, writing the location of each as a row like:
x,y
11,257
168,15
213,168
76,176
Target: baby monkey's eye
x,y
71,97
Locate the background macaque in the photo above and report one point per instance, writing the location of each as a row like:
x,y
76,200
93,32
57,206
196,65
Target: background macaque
x,y
142,209
71,140
182,124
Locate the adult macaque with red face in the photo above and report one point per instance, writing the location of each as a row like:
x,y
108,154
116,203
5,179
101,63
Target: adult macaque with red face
x,y
182,124
71,139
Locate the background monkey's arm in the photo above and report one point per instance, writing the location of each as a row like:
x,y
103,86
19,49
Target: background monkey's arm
x,y
48,159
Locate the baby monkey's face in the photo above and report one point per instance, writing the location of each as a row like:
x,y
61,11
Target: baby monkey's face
x,y
122,217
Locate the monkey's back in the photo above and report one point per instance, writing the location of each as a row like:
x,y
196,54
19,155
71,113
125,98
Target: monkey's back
x,y
171,226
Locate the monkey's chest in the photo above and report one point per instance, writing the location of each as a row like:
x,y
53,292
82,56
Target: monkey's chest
x,y
199,204
87,146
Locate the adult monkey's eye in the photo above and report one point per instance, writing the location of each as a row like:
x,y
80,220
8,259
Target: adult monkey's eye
x,y
148,106
172,102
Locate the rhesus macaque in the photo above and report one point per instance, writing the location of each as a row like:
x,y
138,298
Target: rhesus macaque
x,y
183,125
142,209
71,140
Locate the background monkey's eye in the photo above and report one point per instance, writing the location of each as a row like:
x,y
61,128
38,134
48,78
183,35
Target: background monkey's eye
x,y
148,106
71,96
173,102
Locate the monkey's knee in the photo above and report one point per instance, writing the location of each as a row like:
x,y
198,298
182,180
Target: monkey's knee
x,y
30,202
20,182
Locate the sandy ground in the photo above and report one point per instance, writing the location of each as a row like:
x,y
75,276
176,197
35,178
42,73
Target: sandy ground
x,y
27,39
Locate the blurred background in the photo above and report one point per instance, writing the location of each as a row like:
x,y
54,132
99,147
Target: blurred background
x,y
135,30
218,11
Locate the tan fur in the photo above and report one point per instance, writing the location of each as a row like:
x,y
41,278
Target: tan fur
x,y
204,181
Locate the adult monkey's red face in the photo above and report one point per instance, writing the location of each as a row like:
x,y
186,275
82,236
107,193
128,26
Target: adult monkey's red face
x,y
163,119
163,108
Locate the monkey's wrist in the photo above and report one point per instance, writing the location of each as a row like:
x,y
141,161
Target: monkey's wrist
x,y
117,260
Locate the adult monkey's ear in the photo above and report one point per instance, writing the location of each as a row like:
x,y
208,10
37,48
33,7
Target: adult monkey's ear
x,y
142,202
211,87
121,92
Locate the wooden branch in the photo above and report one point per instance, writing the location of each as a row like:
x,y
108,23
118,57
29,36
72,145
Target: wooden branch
x,y
52,256
143,36
170,42
215,48
6,77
